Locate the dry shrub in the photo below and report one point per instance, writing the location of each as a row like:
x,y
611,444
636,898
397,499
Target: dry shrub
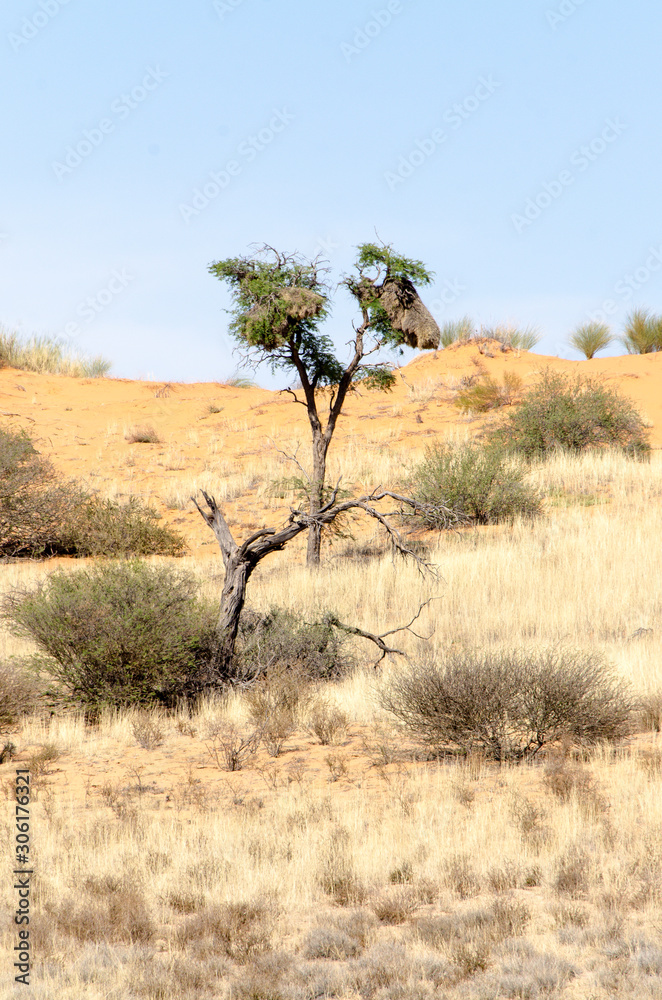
x,y
230,748
530,821
276,701
187,978
461,876
269,977
337,875
337,765
488,394
402,874
501,878
649,760
326,722
566,781
143,434
573,869
525,973
569,914
509,704
183,901
19,695
238,930
396,905
147,733
120,916
650,709
331,942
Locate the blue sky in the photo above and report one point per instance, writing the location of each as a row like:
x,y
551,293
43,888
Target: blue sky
x,y
514,147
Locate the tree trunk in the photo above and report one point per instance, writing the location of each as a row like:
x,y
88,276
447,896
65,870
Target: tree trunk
x,y
237,572
316,501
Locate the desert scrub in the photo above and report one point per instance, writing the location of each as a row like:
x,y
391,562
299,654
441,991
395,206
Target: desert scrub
x,y
118,634
482,485
44,515
561,413
488,394
281,639
508,705
111,528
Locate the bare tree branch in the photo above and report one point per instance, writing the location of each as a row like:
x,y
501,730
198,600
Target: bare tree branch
x,y
290,458
379,639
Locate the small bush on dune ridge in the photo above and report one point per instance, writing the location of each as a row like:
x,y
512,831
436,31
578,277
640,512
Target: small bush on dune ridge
x,y
42,515
119,634
509,705
562,413
483,485
47,356
591,338
463,331
642,333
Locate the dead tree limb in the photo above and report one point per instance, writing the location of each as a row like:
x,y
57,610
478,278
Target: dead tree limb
x,y
240,560
379,639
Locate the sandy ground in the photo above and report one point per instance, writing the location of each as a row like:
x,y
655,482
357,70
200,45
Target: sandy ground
x,y
81,424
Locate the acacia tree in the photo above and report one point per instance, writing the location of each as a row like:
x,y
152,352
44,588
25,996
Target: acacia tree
x,y
279,303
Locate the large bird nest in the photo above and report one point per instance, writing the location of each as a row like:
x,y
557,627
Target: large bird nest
x,y
407,314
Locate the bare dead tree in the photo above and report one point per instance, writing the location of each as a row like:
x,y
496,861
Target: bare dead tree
x,y
241,559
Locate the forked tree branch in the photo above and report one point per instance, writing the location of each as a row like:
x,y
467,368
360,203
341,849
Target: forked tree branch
x,y
379,639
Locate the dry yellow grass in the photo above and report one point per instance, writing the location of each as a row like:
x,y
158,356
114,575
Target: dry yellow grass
x,y
365,872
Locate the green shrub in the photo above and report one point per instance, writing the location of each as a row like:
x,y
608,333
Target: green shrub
x,y
642,333
118,634
482,485
112,528
590,338
48,356
280,640
43,515
508,705
572,414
